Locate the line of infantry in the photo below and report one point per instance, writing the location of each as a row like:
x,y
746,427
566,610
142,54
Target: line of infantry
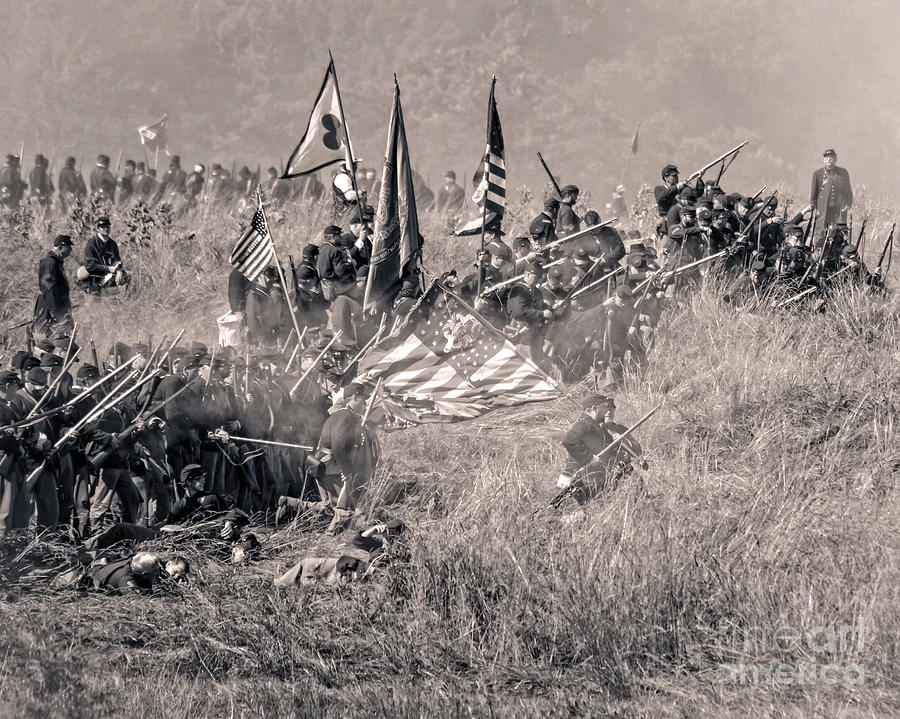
x,y
134,181
149,438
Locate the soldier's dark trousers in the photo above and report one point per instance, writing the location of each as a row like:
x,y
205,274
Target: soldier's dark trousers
x,y
65,485
110,484
14,509
45,499
213,463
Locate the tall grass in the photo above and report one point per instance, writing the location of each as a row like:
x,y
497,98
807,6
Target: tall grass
x,y
770,501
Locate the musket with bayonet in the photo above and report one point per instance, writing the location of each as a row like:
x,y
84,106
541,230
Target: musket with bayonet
x,y
725,156
80,397
135,425
113,398
550,246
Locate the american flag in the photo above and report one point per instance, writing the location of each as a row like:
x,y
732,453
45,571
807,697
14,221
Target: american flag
x,y
254,251
445,364
490,195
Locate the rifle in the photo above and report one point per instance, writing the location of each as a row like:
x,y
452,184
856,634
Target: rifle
x,y
550,175
100,458
222,435
582,291
699,173
513,280
109,401
84,394
318,359
668,274
118,163
574,486
760,191
94,354
859,239
889,244
809,290
48,393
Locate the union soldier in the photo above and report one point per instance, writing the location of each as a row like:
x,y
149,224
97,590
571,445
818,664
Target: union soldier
x,y
11,185
14,502
543,227
126,182
831,193
343,192
667,193
143,183
567,222
71,184
102,262
554,289
336,269
617,206
640,263
310,302
349,454
173,185
53,307
529,313
103,182
605,243
40,183
594,431
451,197
194,183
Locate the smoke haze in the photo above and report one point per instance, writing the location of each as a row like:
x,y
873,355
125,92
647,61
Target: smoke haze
x,y
238,82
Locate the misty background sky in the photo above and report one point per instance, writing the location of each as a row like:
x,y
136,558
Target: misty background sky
x,y
238,82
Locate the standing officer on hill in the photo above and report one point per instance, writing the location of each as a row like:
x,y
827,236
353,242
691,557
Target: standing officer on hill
x,y
832,193
53,308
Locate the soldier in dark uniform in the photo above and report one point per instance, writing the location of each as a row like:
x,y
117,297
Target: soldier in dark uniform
x,y
103,182
543,227
667,193
529,313
102,262
11,185
53,308
605,242
554,289
349,453
451,197
71,184
173,185
194,184
39,182
337,271
567,222
640,263
589,436
126,182
14,502
831,193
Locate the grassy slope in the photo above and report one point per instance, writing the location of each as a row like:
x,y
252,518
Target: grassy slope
x,y
770,499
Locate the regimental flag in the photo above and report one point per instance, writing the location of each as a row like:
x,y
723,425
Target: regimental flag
x,y
444,364
490,195
254,251
325,141
634,140
154,136
395,247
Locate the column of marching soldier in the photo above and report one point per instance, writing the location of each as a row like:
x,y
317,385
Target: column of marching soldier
x,y
157,436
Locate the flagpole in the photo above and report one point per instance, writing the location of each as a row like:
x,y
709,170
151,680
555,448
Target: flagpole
x,y
284,285
630,153
352,168
484,197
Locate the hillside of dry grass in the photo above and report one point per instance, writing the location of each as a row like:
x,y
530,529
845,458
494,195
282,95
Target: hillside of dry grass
x,y
770,501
